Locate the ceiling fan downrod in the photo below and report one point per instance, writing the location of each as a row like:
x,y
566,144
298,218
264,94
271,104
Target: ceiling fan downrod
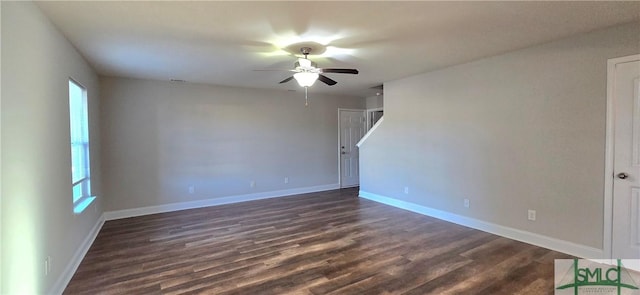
x,y
305,51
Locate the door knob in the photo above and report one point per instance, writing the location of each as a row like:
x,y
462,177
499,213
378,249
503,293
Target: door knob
x,y
343,153
622,175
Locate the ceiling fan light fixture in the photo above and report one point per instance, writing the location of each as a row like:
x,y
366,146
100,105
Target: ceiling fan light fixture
x,y
306,79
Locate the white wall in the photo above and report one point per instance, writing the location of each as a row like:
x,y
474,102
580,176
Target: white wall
x,y
162,137
0,159
37,216
523,130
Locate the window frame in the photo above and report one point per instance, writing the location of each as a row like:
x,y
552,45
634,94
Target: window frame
x,y
80,188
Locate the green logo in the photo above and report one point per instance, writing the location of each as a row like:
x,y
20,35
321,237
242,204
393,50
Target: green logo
x,y
594,277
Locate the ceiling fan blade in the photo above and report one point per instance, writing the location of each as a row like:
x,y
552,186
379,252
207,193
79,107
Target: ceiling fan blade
x,y
327,80
269,70
286,80
340,71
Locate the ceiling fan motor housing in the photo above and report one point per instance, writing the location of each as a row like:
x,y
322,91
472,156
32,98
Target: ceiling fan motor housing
x,y
306,65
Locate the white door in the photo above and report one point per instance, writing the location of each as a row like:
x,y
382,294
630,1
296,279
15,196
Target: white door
x,y
352,127
626,165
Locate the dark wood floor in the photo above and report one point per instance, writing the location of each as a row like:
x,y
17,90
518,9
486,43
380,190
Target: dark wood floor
x,y
323,243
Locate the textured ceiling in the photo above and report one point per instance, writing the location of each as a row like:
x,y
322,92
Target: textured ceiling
x,y
222,43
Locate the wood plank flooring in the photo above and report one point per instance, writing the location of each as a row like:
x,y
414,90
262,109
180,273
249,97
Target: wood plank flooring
x,y
322,243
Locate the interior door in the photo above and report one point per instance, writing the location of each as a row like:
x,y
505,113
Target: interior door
x,y
626,184
352,128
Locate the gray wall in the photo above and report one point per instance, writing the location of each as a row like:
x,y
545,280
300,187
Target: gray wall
x,y
374,102
523,130
160,138
37,216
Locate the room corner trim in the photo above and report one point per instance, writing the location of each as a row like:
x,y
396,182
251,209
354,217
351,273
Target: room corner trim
x,y
507,232
126,213
65,277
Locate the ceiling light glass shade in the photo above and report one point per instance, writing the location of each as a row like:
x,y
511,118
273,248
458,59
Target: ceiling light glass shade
x,y
305,79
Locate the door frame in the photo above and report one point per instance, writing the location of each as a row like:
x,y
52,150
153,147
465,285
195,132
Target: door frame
x,y
607,244
364,111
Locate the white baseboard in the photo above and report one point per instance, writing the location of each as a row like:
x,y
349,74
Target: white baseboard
x,y
126,213
507,232
64,278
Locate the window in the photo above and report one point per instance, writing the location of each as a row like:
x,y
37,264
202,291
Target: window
x,y
79,124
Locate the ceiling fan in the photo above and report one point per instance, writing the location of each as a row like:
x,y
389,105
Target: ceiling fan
x,y
307,72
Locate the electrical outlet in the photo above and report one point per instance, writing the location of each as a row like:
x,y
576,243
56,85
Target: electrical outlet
x,y
286,180
192,189
531,215
406,189
252,184
466,203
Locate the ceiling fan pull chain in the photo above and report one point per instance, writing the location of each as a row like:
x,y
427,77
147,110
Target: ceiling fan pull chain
x,y
306,99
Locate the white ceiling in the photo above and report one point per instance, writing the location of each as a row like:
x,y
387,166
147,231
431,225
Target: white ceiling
x,y
223,42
